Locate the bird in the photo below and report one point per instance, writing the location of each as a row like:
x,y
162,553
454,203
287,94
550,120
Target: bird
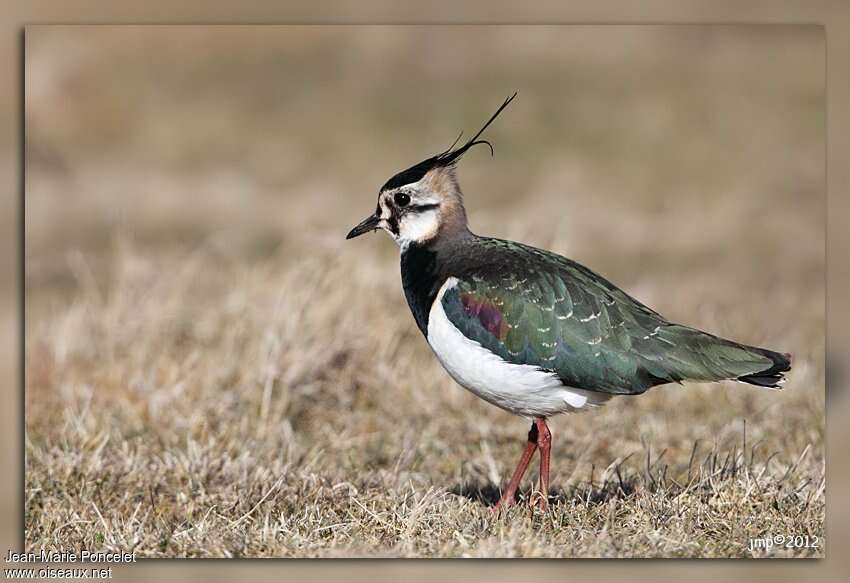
x,y
529,331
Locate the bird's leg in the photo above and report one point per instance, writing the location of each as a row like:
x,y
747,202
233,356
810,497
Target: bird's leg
x,y
507,498
544,442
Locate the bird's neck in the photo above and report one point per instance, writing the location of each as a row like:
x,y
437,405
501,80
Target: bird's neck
x,y
426,264
453,223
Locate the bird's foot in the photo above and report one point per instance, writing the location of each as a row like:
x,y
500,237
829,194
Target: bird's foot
x,y
538,501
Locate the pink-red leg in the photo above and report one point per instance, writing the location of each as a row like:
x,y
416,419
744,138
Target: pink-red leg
x,y
544,442
507,498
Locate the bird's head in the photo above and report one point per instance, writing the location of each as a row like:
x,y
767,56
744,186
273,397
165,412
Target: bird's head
x,y
417,204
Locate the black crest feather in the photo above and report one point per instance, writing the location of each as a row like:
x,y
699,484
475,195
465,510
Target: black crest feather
x,y
446,158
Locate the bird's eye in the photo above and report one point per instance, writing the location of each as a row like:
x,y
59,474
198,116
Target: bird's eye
x,y
402,198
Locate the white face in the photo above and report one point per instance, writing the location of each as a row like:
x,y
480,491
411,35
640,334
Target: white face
x,y
410,213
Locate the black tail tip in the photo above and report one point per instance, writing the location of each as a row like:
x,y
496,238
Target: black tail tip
x,y
773,377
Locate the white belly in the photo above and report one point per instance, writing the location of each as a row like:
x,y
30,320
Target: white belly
x,y
521,389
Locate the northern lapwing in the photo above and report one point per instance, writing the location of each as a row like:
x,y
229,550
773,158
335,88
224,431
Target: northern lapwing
x,y
530,331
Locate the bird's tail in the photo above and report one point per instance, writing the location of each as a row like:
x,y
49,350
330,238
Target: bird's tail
x,y
698,356
773,377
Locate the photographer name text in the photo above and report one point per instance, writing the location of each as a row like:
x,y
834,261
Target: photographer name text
x,y
83,556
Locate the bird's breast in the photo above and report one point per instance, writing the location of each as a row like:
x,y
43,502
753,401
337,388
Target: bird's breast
x,y
420,281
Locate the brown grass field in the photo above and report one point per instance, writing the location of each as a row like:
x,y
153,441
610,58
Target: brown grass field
x,y
212,371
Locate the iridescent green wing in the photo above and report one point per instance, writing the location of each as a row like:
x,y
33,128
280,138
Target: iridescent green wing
x,y
561,317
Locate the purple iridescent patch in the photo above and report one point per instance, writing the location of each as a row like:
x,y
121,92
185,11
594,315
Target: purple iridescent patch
x,y
487,313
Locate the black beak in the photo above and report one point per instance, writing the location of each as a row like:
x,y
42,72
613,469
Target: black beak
x,y
370,224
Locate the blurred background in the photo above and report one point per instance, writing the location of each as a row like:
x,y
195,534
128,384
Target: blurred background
x,y
188,190
626,145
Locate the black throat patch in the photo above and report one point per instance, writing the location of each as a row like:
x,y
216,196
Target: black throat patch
x,y
421,280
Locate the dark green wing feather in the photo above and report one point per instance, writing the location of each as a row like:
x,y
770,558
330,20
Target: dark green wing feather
x,y
544,310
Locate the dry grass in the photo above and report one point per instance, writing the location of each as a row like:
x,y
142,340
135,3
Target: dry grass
x,y
212,371
247,431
